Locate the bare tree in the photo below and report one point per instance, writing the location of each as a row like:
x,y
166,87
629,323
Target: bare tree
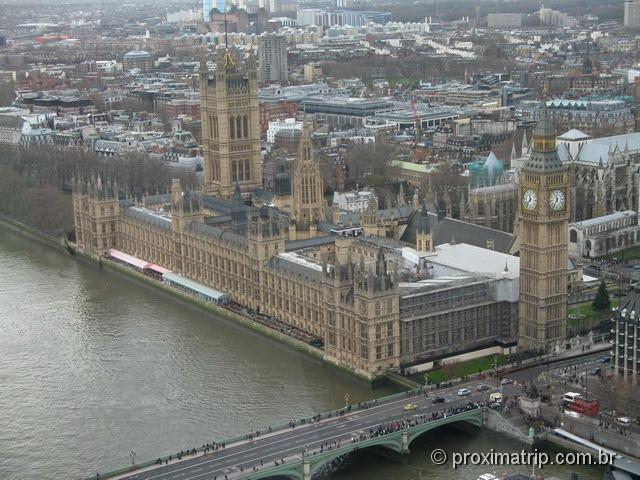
x,y
364,161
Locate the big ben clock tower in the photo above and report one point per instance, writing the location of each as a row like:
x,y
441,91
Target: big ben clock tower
x,y
544,218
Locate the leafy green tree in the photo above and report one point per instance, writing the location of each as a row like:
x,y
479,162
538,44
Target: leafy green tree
x,y
602,301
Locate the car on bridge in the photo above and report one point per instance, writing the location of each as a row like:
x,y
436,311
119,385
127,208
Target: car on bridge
x,y
409,406
482,387
506,381
438,400
463,392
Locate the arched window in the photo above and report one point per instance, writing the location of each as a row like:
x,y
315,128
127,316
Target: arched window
x,y
245,126
241,171
573,236
232,130
238,126
247,170
234,171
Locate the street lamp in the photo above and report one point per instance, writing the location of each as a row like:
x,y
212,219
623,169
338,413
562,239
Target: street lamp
x,y
346,400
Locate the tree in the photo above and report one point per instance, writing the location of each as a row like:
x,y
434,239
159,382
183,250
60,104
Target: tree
x,y
366,160
602,301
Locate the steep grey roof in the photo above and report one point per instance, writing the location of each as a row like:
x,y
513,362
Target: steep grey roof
x,y
293,245
450,229
216,233
544,127
143,215
543,162
602,149
221,205
205,230
218,220
294,269
574,134
394,213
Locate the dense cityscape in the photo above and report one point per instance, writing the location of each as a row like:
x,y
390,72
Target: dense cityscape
x,y
426,211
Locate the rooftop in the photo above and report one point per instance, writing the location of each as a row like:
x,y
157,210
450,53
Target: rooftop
x,y
605,219
465,258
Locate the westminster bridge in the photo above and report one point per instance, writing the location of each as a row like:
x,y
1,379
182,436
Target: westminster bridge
x,y
302,448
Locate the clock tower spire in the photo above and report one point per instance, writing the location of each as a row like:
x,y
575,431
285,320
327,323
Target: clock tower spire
x,y
543,230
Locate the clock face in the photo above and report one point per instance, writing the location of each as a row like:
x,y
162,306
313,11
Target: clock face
x,y
556,200
530,200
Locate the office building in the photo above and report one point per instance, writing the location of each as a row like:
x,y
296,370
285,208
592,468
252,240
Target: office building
x,y
504,20
272,58
632,14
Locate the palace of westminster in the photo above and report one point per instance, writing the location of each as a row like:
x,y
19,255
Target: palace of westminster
x,y
389,288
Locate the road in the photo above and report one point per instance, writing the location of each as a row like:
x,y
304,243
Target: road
x,y
583,363
289,444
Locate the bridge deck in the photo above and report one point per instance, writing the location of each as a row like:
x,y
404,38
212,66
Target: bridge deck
x,y
285,451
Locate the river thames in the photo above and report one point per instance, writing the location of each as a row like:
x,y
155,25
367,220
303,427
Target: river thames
x,y
96,365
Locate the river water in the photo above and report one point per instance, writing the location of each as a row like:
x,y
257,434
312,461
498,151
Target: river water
x,y
94,365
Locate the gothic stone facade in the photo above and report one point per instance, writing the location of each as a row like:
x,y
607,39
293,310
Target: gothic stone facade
x,y
354,307
230,125
344,290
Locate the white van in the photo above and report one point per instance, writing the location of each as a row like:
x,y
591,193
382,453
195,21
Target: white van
x,y
495,397
571,396
623,421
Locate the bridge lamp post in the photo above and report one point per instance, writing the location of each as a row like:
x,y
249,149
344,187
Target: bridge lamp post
x,y
346,399
426,379
132,454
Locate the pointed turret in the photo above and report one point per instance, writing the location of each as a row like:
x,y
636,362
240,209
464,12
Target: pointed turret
x,y
307,202
544,155
402,201
424,242
525,144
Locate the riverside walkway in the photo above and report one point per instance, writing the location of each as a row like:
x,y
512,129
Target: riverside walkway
x,y
302,448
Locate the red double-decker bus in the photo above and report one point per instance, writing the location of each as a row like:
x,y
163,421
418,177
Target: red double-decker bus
x,y
584,407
